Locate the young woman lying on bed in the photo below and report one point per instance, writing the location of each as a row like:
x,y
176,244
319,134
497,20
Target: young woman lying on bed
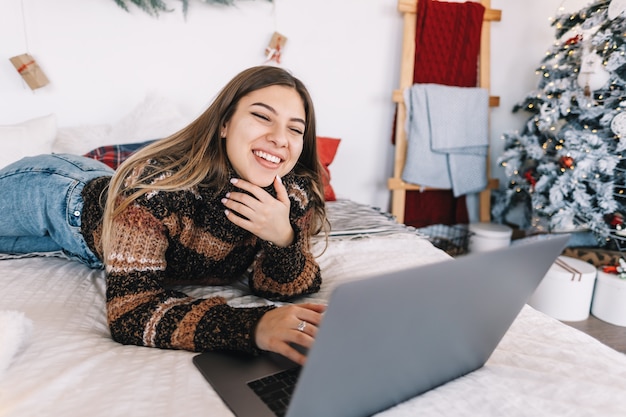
x,y
240,186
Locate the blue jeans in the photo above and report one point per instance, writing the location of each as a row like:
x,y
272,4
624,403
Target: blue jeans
x,y
41,205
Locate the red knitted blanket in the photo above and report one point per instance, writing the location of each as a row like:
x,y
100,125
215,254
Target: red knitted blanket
x,y
447,42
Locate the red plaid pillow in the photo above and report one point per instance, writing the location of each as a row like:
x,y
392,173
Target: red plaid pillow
x,y
114,155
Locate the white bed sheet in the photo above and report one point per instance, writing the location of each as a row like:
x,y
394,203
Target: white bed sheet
x,y
71,367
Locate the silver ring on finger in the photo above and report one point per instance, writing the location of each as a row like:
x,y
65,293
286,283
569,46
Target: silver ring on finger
x,y
301,326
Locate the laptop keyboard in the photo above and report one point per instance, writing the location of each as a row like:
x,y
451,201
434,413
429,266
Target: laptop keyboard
x,y
275,390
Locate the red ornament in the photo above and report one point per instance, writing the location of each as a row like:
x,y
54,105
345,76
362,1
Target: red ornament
x,y
574,40
528,176
616,219
566,162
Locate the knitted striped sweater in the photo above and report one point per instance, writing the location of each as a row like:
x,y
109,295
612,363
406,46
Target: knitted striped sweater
x,y
183,237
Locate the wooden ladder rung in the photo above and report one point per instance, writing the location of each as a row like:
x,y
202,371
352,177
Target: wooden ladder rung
x,y
398,184
398,97
410,6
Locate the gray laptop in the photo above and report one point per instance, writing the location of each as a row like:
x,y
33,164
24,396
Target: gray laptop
x,y
388,338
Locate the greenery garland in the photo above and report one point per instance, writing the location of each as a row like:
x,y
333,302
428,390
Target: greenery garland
x,y
154,7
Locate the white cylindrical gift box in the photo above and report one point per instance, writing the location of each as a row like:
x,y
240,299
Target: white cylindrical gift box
x,y
609,299
488,236
566,290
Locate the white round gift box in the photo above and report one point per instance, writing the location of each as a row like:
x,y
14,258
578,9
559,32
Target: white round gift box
x,y
609,299
566,290
488,236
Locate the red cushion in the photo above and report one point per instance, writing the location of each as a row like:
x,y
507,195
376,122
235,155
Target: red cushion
x,y
326,149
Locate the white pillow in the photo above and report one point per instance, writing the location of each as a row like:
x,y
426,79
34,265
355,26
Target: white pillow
x,y
28,138
154,118
79,140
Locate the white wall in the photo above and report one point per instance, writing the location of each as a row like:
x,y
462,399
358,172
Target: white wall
x,y
102,61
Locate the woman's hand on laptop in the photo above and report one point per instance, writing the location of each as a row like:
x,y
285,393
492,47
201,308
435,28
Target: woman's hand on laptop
x,y
291,324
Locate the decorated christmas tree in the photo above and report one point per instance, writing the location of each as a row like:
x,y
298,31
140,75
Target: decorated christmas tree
x,y
566,169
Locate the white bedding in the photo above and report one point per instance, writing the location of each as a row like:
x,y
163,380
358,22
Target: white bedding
x,y
70,366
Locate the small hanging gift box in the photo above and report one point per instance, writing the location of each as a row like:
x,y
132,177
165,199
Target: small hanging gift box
x,y
28,68
274,49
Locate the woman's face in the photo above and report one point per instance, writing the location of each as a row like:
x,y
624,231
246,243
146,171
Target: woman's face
x,y
265,136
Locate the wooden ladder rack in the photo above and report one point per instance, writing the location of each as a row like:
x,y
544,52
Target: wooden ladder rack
x,y
398,187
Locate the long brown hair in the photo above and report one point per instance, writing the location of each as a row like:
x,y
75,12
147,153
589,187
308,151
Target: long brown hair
x,y
196,153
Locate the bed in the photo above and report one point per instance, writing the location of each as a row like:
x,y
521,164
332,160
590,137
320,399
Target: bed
x,y
59,360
